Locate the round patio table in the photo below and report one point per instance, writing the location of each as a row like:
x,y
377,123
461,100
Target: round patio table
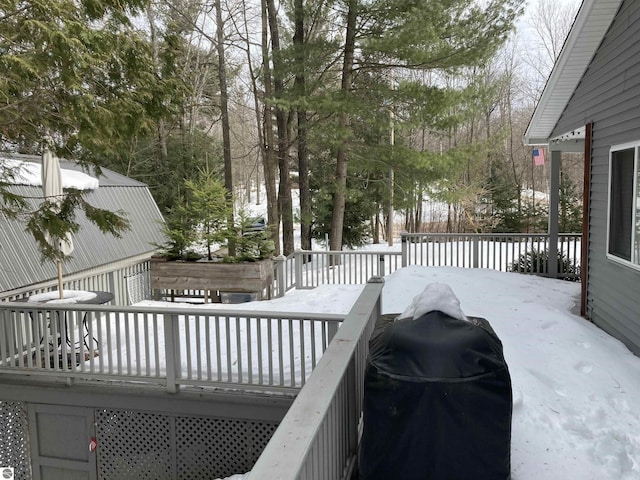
x,y
100,297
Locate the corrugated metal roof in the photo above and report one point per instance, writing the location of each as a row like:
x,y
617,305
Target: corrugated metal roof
x,y
588,30
20,263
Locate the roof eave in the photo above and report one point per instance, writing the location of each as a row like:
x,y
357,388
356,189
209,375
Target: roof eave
x,y
587,31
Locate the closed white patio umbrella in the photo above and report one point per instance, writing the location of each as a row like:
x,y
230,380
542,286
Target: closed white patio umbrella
x,y
53,192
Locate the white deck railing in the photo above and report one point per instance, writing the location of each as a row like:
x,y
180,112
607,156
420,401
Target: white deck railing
x,y
168,346
274,352
309,269
314,268
115,278
318,437
497,251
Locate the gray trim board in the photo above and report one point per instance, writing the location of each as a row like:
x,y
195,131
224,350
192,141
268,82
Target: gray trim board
x,y
242,405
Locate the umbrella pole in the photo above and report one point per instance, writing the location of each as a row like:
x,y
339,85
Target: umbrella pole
x,y
60,278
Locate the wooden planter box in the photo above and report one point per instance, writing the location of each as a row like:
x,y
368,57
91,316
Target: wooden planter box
x,y
213,277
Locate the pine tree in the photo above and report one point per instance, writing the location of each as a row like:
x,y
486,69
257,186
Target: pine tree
x,y
78,73
386,39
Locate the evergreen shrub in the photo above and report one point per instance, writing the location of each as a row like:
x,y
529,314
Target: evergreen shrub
x,y
537,261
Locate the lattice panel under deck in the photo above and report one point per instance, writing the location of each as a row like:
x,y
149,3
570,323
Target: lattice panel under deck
x,y
133,445
14,441
218,448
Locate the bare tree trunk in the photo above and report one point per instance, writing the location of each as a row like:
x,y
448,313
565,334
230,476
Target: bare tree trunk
x,y
376,226
342,160
303,154
265,129
418,217
258,195
268,160
224,113
285,202
517,180
162,133
284,193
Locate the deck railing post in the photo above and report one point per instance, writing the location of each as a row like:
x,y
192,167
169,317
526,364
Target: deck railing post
x,y
332,329
298,260
381,269
554,195
378,309
354,408
112,287
172,351
281,280
475,251
405,249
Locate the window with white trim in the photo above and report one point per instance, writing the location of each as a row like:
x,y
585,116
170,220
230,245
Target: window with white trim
x,y
623,236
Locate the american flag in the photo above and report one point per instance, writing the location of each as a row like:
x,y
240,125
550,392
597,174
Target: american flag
x,y
538,156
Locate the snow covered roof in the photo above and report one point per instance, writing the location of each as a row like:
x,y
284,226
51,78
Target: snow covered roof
x,y
108,178
30,173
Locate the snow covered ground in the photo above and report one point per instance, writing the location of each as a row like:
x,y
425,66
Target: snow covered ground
x,y
576,389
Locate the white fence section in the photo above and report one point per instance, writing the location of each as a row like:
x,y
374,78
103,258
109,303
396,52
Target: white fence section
x,y
167,346
256,351
129,281
284,274
114,278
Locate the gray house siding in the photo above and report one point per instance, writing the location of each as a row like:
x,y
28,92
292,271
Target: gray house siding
x,y
608,96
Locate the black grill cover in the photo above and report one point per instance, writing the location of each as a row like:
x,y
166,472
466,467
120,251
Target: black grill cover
x,y
437,402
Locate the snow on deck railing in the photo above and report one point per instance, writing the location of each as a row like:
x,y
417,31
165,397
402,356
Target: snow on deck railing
x,y
318,437
167,346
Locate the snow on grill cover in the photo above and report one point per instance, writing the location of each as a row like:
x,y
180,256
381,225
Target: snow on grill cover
x,y
437,401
